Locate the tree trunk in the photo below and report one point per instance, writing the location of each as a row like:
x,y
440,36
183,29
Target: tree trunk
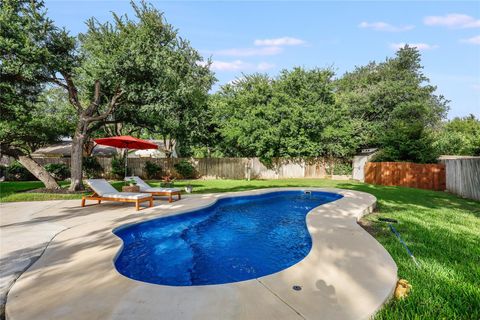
x,y
39,172
76,161
88,147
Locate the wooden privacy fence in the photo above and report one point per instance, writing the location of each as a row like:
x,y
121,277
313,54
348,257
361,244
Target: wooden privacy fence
x,y
463,176
406,174
220,168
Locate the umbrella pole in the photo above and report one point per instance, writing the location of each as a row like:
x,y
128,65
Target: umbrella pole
x,y
126,165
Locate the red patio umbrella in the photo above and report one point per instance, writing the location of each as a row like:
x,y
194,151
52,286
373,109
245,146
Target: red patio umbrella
x,y
126,142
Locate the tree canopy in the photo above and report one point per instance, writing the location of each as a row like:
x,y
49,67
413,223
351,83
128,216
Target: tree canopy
x,y
396,105
459,136
292,115
308,113
165,80
32,48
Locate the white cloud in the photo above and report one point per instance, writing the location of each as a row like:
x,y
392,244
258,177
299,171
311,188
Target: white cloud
x,y
285,41
453,20
248,52
419,46
239,65
236,65
263,66
472,40
383,26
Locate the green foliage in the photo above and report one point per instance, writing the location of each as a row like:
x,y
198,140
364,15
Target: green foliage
x,y
91,167
407,138
118,167
293,115
32,49
185,169
165,81
59,171
395,105
460,136
153,170
16,172
343,168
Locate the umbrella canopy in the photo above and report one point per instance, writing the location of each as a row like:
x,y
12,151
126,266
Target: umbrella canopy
x,y
127,142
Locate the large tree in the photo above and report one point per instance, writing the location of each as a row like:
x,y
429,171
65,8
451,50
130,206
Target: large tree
x,y
136,72
30,49
292,115
396,105
151,79
168,96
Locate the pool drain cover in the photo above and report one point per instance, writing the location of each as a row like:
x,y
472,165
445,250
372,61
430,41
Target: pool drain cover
x,y
297,288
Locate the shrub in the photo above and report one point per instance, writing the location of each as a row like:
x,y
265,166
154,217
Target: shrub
x,y
185,169
91,167
3,170
16,172
59,171
153,170
118,167
342,168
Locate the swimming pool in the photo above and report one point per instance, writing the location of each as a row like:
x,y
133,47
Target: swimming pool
x,y
235,239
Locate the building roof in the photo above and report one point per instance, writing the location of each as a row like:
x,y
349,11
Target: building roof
x,y
63,150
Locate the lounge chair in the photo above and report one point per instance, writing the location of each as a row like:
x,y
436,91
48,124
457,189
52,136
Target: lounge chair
x,y
144,187
102,190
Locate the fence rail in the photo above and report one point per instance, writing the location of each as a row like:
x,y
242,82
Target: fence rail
x,y
406,174
221,168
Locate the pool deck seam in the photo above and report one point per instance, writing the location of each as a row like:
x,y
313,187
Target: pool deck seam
x,y
33,260
280,298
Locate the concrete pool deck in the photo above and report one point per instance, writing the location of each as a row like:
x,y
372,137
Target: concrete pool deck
x,y
347,274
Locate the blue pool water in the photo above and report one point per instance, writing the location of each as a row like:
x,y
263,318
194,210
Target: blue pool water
x,y
237,238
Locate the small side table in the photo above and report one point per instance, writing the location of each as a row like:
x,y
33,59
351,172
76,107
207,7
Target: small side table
x,y
131,189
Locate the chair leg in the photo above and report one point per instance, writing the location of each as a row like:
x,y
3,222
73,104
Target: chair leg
x,y
83,201
151,202
170,197
137,205
99,201
179,196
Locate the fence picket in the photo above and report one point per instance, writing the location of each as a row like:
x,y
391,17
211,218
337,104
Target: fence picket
x,y
463,177
406,174
223,168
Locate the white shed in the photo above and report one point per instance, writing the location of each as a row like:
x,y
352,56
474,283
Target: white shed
x,y
359,162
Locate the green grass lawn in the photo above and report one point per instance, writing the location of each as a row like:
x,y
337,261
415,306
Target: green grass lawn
x,y
442,230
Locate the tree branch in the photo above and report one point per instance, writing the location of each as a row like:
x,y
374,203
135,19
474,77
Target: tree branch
x,y
96,100
72,92
57,82
111,107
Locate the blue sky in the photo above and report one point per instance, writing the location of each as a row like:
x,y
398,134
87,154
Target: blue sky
x,y
246,37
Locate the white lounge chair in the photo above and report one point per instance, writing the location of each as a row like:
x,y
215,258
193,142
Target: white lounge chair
x,y
104,191
155,191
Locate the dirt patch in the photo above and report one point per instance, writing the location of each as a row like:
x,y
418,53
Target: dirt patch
x,y
369,226
55,191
